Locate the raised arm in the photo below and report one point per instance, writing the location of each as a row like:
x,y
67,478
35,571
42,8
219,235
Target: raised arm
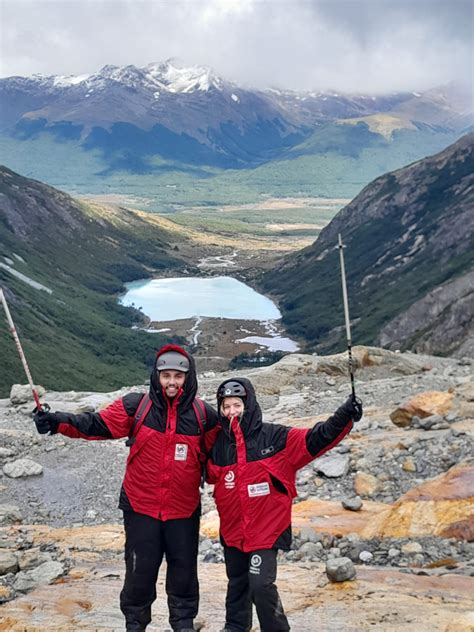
x,y
113,422
306,445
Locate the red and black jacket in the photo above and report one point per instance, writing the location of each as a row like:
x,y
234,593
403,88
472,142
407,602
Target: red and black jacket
x,y
164,466
253,466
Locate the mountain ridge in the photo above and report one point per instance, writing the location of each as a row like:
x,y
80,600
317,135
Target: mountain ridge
x,y
406,233
190,114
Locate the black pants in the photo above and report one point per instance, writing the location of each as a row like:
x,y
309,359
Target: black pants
x,y
146,541
252,580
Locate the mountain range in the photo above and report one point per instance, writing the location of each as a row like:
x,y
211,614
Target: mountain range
x,y
409,238
132,119
409,255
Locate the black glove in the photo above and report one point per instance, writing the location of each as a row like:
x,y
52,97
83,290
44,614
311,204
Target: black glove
x,y
46,422
351,409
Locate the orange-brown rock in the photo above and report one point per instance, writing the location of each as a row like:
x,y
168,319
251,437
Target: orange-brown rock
x,y
422,405
409,465
441,506
461,530
377,600
90,538
323,516
365,484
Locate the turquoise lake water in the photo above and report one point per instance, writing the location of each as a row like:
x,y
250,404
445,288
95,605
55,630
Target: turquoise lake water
x,y
214,297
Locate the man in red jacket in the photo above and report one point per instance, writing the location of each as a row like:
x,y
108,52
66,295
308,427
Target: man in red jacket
x,y
253,466
170,432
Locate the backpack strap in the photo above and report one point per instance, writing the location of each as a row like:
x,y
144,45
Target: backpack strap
x,y
201,414
201,417
140,414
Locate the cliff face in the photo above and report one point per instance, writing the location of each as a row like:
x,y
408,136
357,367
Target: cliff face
x,y
439,322
408,233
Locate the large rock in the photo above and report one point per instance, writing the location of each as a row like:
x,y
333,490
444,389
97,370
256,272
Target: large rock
x,y
8,562
340,569
352,504
21,394
366,484
32,558
332,465
21,468
276,378
43,574
422,405
443,506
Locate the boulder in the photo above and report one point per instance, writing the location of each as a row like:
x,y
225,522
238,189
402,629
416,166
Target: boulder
x,y
21,468
428,422
32,558
311,549
352,504
8,562
21,394
412,548
366,484
43,574
422,405
340,569
365,556
442,506
332,465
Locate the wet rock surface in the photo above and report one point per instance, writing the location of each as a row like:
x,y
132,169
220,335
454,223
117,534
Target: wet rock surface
x,y
393,499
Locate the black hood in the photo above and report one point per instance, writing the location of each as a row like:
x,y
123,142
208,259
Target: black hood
x,y
251,421
190,384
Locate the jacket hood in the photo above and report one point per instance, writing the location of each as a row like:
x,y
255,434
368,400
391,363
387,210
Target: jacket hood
x,y
190,384
251,421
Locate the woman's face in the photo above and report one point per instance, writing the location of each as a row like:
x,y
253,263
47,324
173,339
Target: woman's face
x,y
232,407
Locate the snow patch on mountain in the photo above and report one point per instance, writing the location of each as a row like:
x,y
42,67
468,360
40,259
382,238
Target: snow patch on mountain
x,y
25,279
69,80
172,76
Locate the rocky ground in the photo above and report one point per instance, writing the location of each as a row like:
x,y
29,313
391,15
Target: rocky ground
x,y
393,502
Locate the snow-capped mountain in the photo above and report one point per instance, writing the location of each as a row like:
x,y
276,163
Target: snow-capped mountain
x,y
190,114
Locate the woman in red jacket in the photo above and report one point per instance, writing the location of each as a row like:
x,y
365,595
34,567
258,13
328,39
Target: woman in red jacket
x,y
253,466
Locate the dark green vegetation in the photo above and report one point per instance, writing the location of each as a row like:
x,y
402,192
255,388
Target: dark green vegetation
x,y
76,337
337,161
406,233
252,360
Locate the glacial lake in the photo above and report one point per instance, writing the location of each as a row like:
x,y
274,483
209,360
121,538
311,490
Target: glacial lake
x,y
189,297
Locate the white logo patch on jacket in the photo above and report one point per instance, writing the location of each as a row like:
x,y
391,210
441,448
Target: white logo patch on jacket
x,y
229,480
181,452
258,489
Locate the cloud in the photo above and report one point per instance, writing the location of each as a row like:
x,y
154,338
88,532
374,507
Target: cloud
x,y
347,45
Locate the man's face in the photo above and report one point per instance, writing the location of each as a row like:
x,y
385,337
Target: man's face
x,y
172,381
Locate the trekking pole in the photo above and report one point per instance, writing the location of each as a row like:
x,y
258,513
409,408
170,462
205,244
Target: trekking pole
x,y
39,406
346,314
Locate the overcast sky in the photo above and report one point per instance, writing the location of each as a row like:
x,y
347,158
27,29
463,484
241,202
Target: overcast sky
x,y
351,45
